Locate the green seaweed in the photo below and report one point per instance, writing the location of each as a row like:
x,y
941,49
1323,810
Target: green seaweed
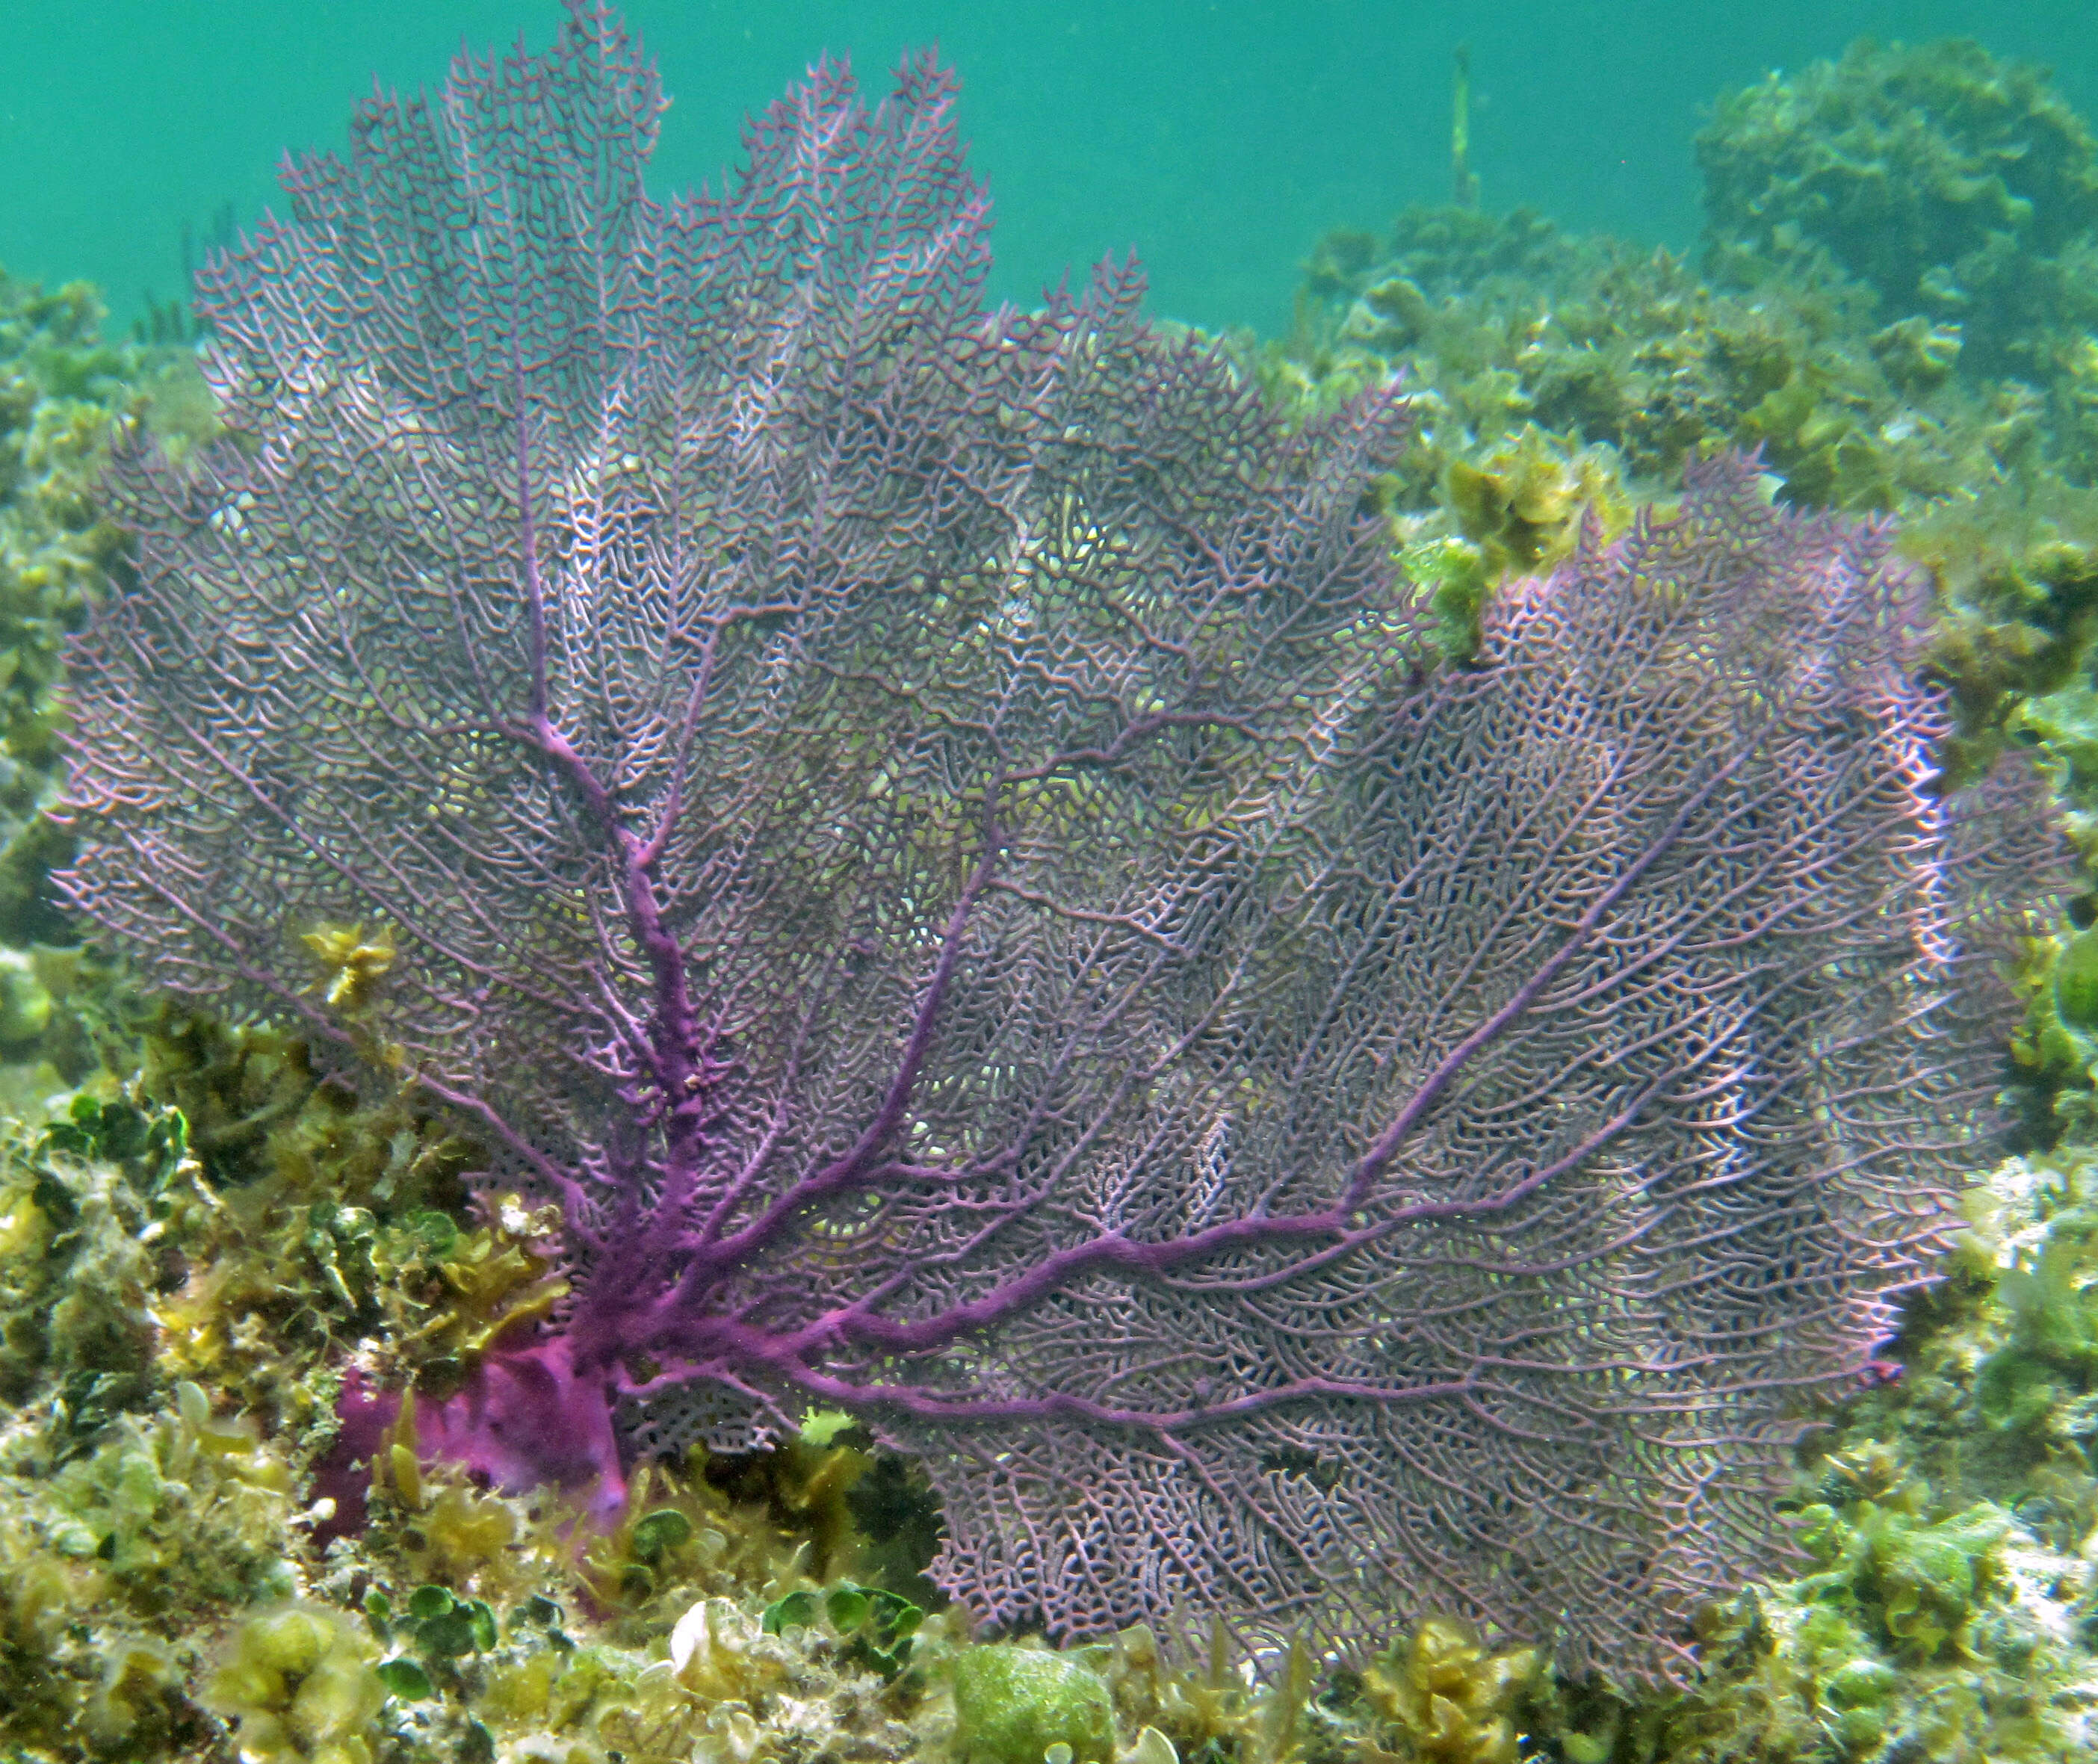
x,y
1953,184
1012,1704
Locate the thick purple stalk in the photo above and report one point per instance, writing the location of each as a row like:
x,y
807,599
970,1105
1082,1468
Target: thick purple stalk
x,y
937,835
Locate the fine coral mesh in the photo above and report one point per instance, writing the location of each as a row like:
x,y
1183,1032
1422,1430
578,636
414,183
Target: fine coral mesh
x,y
941,839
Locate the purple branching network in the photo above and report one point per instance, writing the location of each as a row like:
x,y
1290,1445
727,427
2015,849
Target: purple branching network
x,y
938,837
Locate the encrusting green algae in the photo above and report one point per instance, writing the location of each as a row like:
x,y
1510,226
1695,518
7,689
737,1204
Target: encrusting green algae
x,y
198,1232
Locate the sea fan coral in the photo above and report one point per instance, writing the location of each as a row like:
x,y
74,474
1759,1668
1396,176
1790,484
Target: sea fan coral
x,y
938,837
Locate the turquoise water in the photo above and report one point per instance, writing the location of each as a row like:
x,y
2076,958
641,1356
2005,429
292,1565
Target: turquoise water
x,y
1219,139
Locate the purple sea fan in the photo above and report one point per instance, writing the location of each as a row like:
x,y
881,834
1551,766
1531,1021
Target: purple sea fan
x,y
936,837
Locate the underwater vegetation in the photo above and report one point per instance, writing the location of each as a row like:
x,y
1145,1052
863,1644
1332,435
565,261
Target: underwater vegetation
x,y
169,1593
62,387
1963,190
1894,305
265,1317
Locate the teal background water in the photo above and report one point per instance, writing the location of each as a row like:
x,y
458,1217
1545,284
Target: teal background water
x,y
1219,139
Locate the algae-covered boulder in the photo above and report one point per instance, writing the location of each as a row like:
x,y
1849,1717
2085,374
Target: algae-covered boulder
x,y
1011,1705
1955,184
